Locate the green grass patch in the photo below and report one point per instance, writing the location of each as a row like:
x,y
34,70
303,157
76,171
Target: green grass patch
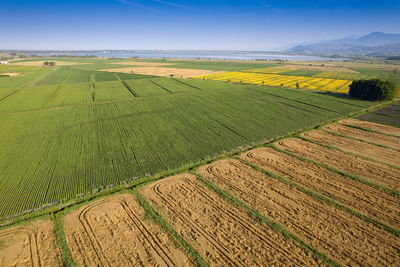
x,y
66,253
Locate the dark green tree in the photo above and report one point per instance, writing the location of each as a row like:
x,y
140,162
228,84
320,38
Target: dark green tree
x,y
373,89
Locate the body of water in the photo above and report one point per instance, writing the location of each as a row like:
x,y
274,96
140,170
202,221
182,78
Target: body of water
x,y
190,54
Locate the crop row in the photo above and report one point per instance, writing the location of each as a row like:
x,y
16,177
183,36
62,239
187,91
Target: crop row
x,y
55,154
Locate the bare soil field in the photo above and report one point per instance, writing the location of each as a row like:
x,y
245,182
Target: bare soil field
x,y
342,236
376,138
223,234
113,232
379,118
372,126
165,72
33,244
368,170
380,154
40,63
370,201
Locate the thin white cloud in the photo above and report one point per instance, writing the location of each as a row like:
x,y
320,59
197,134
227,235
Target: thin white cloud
x,y
136,4
265,4
173,4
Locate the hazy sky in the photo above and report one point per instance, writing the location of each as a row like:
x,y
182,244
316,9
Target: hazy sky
x,y
178,24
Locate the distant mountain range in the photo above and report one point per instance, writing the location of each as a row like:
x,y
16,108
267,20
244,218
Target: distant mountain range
x,y
373,44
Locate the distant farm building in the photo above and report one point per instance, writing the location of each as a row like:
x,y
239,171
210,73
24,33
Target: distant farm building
x,y
3,62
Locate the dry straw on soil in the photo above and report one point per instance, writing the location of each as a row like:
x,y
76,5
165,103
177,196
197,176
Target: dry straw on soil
x,y
376,138
33,244
372,126
380,154
370,201
114,232
223,234
338,234
370,171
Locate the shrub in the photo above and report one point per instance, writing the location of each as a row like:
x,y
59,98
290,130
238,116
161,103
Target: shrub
x,y
374,89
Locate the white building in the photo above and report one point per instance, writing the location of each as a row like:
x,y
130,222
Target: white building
x,y
3,62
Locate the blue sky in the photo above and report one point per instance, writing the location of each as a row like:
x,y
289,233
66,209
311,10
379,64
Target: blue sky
x,y
177,24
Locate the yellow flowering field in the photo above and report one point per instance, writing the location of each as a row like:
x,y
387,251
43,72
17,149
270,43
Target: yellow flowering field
x,y
271,79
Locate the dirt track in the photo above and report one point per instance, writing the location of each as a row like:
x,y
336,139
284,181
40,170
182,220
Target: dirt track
x,y
340,235
33,244
113,232
380,154
370,201
222,234
372,126
376,138
371,171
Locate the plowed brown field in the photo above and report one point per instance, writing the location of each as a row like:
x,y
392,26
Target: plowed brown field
x,y
380,154
376,138
33,244
113,232
371,171
223,234
370,201
340,235
372,126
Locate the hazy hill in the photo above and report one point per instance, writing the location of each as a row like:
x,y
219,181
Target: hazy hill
x,y
376,43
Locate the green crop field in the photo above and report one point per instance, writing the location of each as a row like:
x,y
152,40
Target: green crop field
x,y
68,131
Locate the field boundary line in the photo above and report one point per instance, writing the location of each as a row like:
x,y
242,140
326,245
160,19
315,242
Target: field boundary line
x,y
162,87
262,219
179,81
41,77
321,197
56,91
294,100
388,115
166,226
351,153
369,130
60,235
358,139
128,88
393,192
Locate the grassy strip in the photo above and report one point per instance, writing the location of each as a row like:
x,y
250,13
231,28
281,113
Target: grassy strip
x,y
158,219
369,130
393,192
66,253
273,225
129,88
322,198
338,149
358,139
